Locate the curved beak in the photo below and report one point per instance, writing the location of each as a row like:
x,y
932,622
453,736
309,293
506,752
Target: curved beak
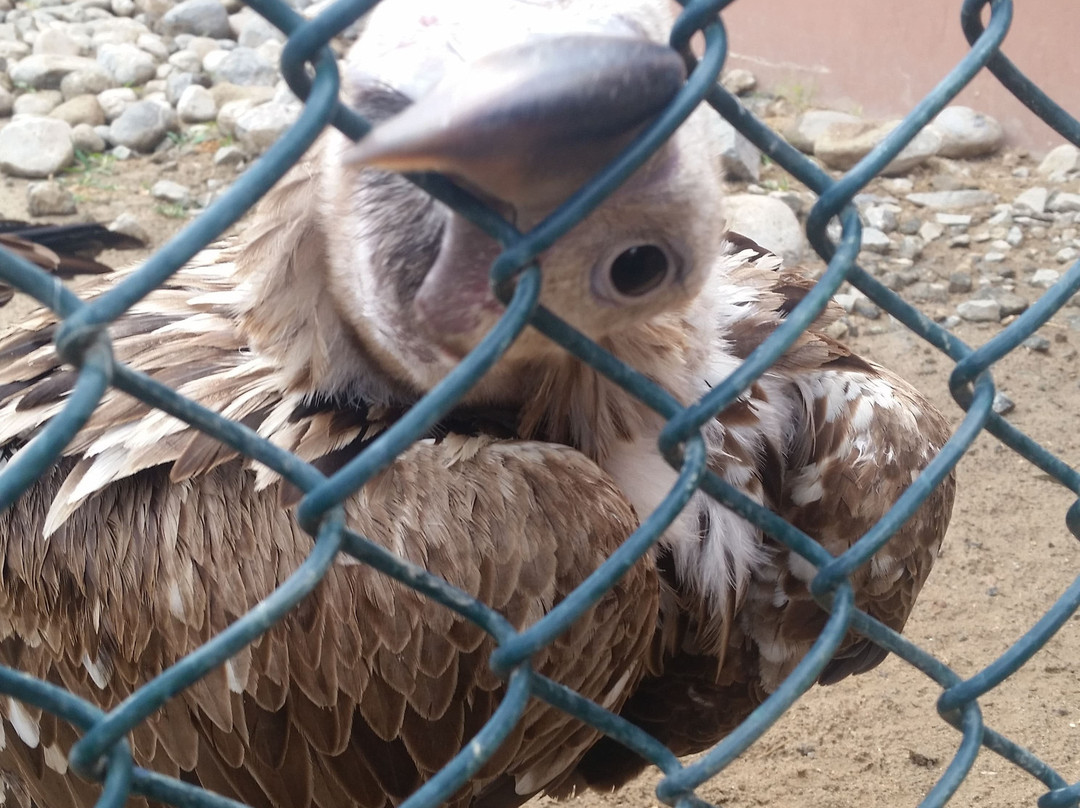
x,y
528,125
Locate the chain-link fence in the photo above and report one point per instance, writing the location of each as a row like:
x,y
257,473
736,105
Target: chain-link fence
x,y
104,754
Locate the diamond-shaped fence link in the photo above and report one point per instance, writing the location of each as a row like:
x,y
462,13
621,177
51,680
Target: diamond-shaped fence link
x,y
309,67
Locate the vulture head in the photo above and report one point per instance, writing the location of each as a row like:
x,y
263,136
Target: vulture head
x,y
521,103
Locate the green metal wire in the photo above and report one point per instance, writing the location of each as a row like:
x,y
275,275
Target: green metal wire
x,y
308,66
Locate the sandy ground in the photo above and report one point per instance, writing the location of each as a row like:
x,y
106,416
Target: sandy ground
x,y
876,739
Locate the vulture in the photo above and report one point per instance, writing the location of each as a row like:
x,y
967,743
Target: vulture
x,y
65,250
348,295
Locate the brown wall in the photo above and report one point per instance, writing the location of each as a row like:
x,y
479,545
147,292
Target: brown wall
x,y
882,56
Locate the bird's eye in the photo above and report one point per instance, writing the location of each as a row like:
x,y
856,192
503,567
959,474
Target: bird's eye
x,y
636,271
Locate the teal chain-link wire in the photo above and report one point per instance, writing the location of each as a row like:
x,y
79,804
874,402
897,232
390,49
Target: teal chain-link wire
x,y
309,67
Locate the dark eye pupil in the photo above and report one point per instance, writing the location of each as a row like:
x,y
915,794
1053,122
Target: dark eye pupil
x,y
639,270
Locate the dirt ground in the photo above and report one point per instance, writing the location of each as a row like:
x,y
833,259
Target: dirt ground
x,y
876,739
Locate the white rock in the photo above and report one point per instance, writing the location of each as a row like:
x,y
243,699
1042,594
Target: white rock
x,y
951,200
49,198
928,231
115,101
1066,255
738,81
56,40
953,219
882,217
769,222
35,147
1045,278
123,8
187,61
258,128
967,133
126,63
45,71
1064,203
739,158
169,191
86,139
841,146
196,105
92,80
1032,200
875,241
1063,158
808,127
980,311
41,103
1015,236
154,45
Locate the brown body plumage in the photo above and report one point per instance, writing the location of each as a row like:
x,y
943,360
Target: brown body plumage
x,y
315,329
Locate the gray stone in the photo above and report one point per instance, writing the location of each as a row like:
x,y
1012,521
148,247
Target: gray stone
x,y
199,17
1033,200
1002,404
739,158
127,224
252,29
911,247
808,127
169,191
230,156
924,292
1037,343
89,81
49,198
951,200
126,63
769,222
41,103
80,109
1064,203
865,307
1066,255
143,125
257,128
1015,236
245,66
980,311
842,145
196,105
122,152
1062,159
967,133
45,71
86,139
1010,302
122,8
960,283
994,257
113,102
35,147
